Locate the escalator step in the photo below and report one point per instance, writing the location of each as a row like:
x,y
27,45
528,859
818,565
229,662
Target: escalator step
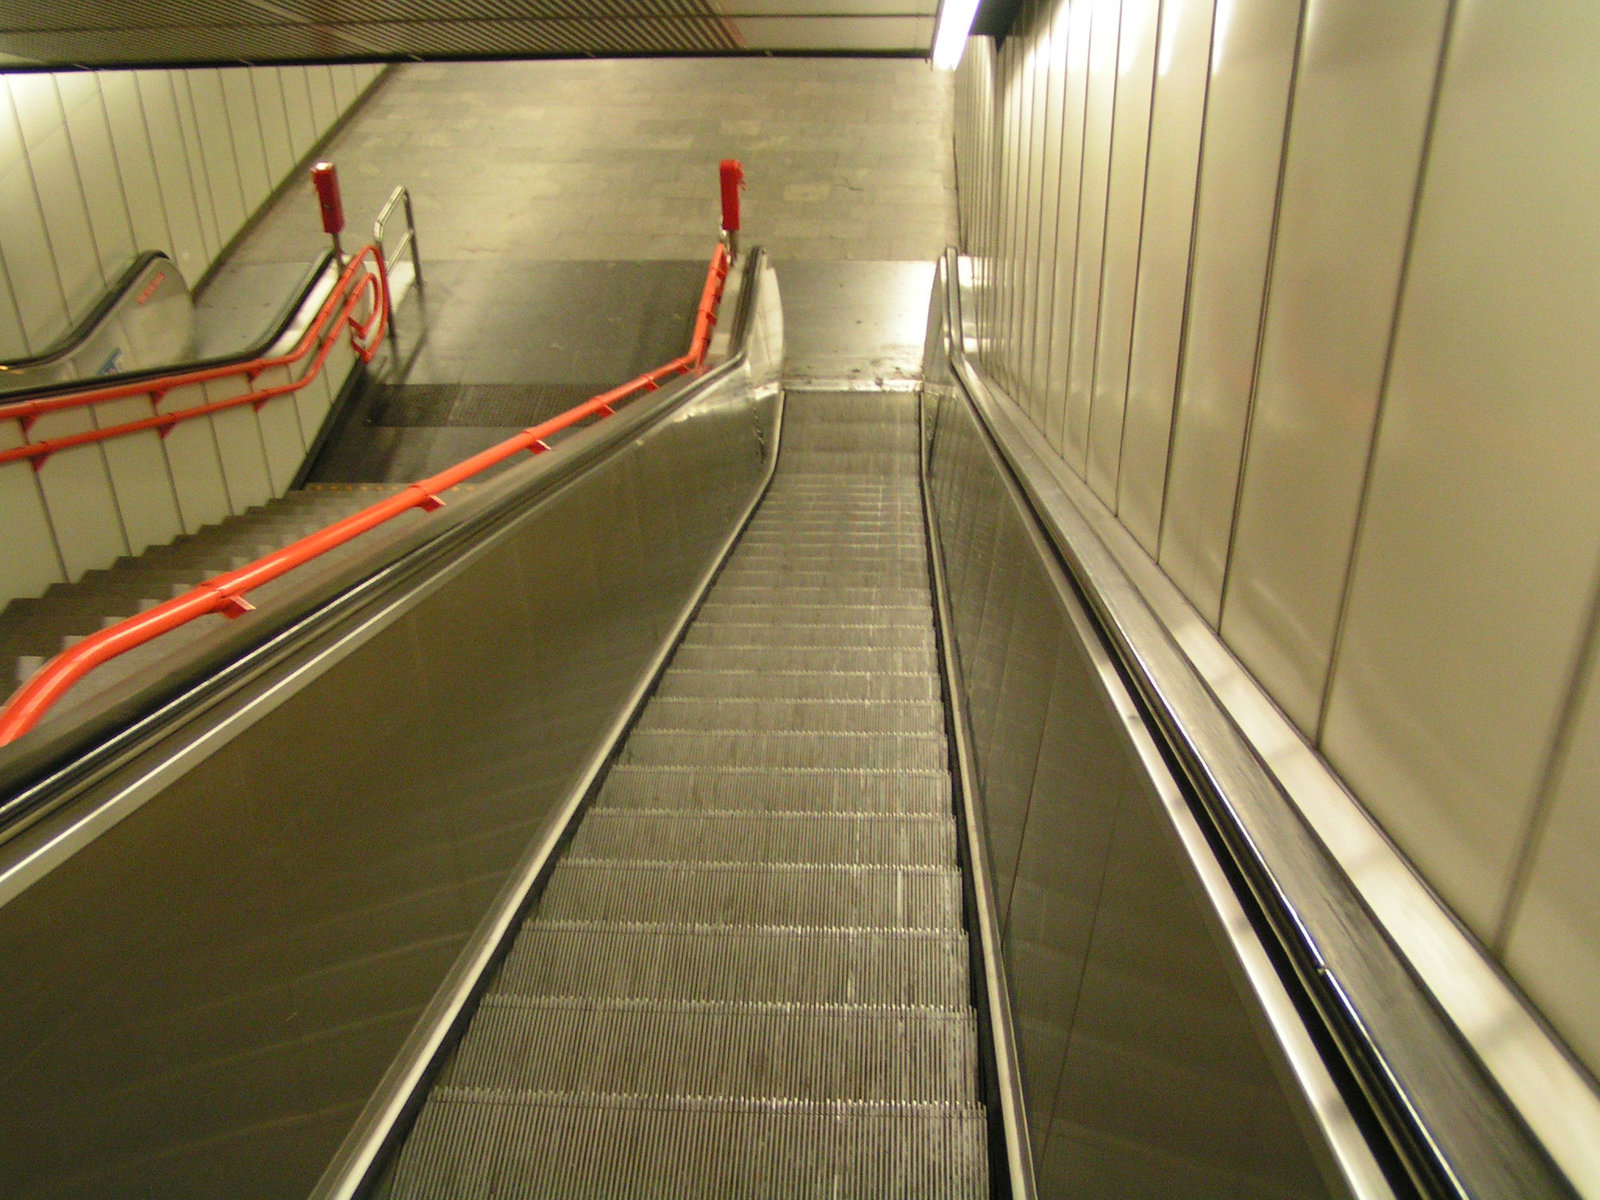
x,y
722,963
814,716
886,597
473,1143
776,611
718,1049
746,894
802,658
783,748
714,632
828,839
809,789
843,686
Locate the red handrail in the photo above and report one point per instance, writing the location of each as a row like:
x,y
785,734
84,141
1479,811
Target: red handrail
x,y
225,593
366,335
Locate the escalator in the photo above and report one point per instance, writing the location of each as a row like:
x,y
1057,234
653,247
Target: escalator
x,y
747,799
748,974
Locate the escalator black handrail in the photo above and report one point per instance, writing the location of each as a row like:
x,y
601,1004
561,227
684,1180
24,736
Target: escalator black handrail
x,y
81,331
1453,1134
47,770
74,338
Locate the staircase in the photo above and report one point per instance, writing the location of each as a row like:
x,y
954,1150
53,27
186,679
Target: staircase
x,y
32,631
748,975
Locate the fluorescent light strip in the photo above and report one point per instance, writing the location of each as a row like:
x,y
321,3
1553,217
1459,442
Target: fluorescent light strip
x,y
955,22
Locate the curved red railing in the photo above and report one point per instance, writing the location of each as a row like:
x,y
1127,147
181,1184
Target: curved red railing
x,y
334,318
225,593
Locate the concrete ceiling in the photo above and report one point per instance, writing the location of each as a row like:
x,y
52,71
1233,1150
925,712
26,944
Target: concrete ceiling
x,y
105,33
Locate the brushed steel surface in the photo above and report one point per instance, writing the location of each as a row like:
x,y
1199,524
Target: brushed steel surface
x,y
1363,96
1247,109
1177,113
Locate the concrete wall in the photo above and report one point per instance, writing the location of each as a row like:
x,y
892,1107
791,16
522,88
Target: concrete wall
x,y
1304,290
96,167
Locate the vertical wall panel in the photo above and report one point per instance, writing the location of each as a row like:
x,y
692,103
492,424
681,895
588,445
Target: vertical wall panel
x,y
77,492
72,246
1074,95
1183,66
26,250
1119,275
194,157
31,561
1379,479
218,161
135,164
324,108
1479,547
1039,78
267,84
172,170
1252,61
1098,111
303,130
1362,97
249,143
1050,213
90,135
1552,949
139,478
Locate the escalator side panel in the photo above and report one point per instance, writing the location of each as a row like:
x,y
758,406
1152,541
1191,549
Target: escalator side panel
x,y
1146,1068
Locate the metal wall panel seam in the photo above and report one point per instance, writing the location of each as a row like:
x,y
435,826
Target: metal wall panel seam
x,y
1070,263
205,200
1138,261
1445,42
1261,316
1584,666
1105,228
1188,295
1055,104
83,192
33,187
150,149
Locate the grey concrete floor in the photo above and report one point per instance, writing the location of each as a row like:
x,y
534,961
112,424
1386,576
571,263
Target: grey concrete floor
x,y
616,159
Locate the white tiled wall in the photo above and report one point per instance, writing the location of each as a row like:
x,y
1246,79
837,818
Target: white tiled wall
x,y
1352,413
97,166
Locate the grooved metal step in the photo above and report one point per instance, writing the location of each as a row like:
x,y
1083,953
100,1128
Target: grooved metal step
x,y
774,611
817,716
843,686
833,839
783,748
478,1143
802,658
755,894
723,1050
766,964
765,789
715,632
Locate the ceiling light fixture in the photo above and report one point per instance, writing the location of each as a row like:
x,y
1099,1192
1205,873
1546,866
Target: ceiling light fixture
x,y
950,40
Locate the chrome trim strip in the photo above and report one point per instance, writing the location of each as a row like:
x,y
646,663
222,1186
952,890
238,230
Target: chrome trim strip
x,y
991,943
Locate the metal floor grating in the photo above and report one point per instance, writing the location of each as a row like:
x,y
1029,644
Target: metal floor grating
x,y
748,974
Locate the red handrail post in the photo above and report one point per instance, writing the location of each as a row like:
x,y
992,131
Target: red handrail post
x,y
732,181
325,178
